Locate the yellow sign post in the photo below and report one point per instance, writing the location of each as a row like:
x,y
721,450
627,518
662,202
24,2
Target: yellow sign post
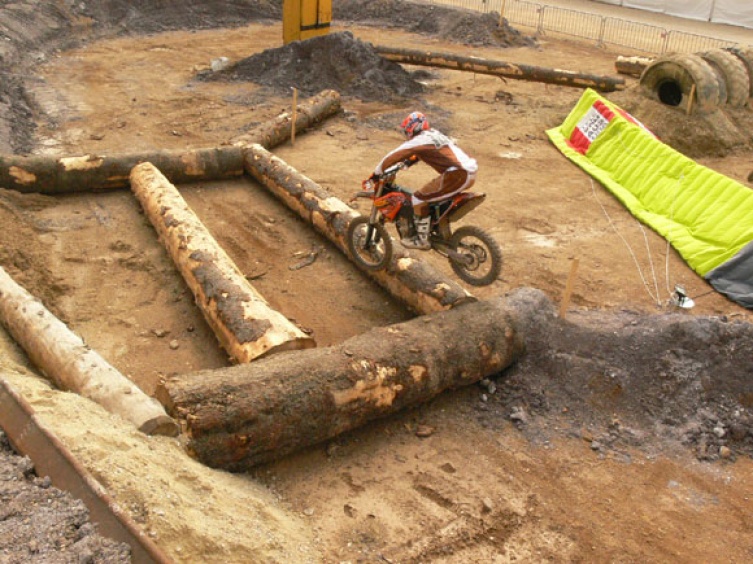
x,y
302,19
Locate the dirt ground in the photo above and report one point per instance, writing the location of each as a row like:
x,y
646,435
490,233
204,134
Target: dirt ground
x,y
624,437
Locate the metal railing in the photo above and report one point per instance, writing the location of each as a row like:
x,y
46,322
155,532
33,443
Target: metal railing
x,y
602,30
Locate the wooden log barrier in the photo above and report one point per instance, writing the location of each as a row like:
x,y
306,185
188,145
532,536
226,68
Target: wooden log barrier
x,y
244,323
411,281
632,66
92,173
307,114
241,416
71,365
501,69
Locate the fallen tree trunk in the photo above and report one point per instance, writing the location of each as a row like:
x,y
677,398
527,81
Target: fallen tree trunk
x,y
501,69
244,323
307,114
246,415
66,360
632,66
93,173
411,281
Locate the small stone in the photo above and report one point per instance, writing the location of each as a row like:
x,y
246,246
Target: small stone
x,y
160,333
487,505
595,445
424,431
308,512
737,431
719,431
174,344
519,414
448,467
725,452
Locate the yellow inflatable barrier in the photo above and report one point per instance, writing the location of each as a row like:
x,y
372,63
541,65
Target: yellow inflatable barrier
x,y
706,216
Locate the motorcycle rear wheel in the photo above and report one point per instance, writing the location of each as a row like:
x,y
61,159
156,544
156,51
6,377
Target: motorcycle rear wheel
x,y
369,245
480,259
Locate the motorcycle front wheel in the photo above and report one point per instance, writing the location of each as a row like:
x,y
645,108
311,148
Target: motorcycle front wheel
x,y
369,245
477,258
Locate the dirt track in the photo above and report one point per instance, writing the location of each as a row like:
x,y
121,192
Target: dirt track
x,y
624,437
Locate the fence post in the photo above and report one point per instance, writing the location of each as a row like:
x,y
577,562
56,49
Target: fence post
x,y
602,27
665,35
540,25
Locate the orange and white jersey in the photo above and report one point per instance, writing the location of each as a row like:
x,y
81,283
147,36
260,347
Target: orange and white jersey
x,y
435,149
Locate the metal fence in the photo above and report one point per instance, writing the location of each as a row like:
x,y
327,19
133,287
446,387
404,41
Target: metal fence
x,y
602,30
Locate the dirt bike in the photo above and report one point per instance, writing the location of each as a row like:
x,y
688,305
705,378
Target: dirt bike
x,y
473,254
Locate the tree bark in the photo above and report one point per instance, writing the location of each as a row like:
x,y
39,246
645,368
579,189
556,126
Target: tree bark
x,y
66,360
308,113
244,323
246,415
632,66
501,69
411,281
93,173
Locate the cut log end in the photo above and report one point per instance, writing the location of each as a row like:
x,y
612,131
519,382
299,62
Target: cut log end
x,y
162,426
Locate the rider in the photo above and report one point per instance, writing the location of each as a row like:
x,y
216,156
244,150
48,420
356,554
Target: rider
x,y
457,171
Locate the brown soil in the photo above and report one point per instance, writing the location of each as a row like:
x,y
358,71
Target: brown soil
x,y
625,433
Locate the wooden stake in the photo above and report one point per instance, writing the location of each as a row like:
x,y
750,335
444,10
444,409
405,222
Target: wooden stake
x,y
295,115
690,99
568,288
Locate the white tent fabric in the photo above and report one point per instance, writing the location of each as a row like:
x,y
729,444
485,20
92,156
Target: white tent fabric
x,y
691,9
650,5
734,12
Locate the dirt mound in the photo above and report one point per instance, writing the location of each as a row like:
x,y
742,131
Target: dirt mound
x,y
713,135
625,380
336,61
455,25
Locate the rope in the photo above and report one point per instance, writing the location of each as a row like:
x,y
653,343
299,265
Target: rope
x,y
630,250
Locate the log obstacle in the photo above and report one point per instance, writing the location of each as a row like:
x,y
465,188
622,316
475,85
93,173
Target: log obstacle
x,y
411,281
307,114
501,69
71,365
632,66
97,173
94,173
245,415
244,323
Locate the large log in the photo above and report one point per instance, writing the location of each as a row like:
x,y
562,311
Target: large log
x,y
501,69
244,323
246,415
71,365
632,66
92,173
307,114
411,281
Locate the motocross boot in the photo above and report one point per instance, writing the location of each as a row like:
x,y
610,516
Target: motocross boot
x,y
421,240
